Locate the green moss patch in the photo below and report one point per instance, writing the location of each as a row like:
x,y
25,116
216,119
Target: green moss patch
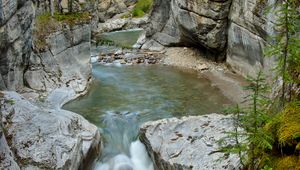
x,y
289,128
141,8
288,163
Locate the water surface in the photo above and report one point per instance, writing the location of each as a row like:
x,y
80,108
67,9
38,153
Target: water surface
x,y
123,97
125,38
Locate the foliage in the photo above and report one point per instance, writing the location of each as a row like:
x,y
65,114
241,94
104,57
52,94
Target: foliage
x,y
237,135
286,44
252,119
141,8
138,13
46,24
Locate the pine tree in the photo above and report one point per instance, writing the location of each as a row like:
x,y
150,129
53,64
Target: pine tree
x,y
286,44
254,119
253,138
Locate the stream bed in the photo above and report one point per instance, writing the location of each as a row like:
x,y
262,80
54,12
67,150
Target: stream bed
x,y
121,98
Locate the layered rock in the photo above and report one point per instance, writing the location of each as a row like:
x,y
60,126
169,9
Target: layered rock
x,y
109,8
65,64
42,136
39,135
248,31
16,18
189,143
199,23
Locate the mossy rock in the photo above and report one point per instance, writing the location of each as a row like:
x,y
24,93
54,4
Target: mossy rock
x,y
46,24
288,133
287,163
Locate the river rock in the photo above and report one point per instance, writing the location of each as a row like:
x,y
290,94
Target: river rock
x,y
43,136
189,142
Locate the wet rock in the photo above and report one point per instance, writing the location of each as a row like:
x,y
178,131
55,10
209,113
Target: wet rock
x,y
43,136
188,143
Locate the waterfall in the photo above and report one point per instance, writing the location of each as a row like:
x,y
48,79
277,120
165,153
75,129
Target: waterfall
x,y
138,160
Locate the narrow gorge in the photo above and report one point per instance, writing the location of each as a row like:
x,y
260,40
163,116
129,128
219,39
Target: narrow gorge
x,y
141,84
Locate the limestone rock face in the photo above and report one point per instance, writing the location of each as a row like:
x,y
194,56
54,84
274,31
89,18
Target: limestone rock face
x,y
248,31
65,64
44,136
15,41
191,23
188,143
109,8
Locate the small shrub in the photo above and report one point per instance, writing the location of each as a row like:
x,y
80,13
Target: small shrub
x,y
138,13
141,8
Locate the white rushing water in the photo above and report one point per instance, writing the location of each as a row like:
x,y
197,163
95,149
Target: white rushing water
x,y
138,160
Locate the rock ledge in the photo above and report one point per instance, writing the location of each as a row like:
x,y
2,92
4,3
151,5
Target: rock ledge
x,y
188,143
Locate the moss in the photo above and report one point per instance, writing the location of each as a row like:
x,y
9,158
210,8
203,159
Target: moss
x,y
46,24
138,13
141,8
289,128
287,162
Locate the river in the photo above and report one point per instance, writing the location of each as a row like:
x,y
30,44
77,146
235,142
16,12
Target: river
x,y
121,98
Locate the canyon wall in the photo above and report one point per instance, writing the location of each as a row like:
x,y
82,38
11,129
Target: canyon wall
x,y
16,24
249,29
200,23
65,63
35,133
233,29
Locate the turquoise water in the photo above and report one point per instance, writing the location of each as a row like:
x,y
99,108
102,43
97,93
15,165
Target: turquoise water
x,y
123,97
125,38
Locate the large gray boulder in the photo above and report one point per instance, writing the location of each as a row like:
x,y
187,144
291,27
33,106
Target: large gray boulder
x,y
189,143
16,18
200,23
43,136
248,32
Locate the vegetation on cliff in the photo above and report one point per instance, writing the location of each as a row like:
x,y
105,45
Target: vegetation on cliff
x,y
141,8
273,135
46,24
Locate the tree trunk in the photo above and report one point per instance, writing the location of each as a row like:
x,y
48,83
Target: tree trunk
x,y
51,7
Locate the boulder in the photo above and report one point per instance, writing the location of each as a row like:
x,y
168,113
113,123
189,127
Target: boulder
x,y
189,142
43,136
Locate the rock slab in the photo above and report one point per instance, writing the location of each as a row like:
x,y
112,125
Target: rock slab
x,y
188,143
42,136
